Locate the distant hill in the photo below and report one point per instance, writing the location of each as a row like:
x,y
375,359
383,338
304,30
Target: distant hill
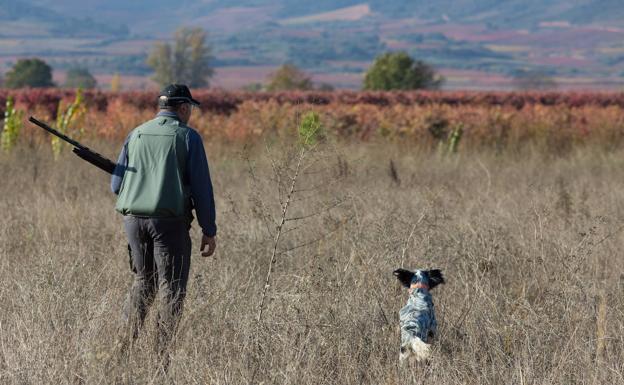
x,y
23,18
580,40
500,13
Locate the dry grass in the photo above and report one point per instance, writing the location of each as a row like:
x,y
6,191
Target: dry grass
x,y
531,247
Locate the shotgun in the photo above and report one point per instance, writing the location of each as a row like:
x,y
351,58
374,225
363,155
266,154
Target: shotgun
x,y
82,151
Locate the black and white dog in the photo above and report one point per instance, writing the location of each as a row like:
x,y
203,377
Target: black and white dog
x,y
417,317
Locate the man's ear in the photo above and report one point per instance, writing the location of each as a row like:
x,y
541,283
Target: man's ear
x,y
405,276
435,277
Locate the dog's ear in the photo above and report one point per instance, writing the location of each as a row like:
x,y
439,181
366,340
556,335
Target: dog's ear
x,y
405,276
435,277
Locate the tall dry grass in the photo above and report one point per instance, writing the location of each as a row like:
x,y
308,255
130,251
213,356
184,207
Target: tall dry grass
x,y
531,247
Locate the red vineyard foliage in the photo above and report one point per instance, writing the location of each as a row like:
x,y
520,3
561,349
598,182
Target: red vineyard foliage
x,y
224,102
555,121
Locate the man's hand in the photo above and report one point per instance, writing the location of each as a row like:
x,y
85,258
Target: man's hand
x,y
211,242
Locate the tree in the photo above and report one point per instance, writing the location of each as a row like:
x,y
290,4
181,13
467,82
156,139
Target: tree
x,y
289,77
253,87
398,71
325,87
29,73
187,61
533,80
80,78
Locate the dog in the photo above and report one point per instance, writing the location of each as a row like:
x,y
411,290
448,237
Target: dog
x,y
417,317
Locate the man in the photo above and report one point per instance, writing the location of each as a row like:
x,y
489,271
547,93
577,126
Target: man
x,y
162,173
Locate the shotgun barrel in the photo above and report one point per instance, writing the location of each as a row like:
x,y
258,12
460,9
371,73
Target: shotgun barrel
x,y
82,151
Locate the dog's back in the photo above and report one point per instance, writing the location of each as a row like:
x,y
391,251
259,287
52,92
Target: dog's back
x,y
418,325
417,317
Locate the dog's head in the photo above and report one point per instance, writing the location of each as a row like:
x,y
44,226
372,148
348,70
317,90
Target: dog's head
x,y
428,278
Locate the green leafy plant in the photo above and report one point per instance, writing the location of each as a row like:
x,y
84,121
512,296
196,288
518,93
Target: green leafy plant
x,y
12,125
186,61
448,136
399,71
454,138
289,77
68,118
310,130
29,73
80,78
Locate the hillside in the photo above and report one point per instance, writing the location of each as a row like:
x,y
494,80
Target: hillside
x,y
578,42
28,19
524,14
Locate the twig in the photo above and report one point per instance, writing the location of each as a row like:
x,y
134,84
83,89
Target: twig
x,y
278,234
325,209
316,240
278,177
265,217
290,230
313,188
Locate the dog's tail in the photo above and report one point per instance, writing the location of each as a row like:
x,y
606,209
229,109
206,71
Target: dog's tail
x,y
422,350
417,349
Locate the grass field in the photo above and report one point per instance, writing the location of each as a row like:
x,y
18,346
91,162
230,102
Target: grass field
x,y
530,245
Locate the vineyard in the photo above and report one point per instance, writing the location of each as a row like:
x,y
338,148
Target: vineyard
x,y
551,121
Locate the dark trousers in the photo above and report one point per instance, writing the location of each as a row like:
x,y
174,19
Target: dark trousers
x,y
160,250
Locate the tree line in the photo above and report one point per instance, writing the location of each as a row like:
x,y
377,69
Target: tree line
x,y
187,59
